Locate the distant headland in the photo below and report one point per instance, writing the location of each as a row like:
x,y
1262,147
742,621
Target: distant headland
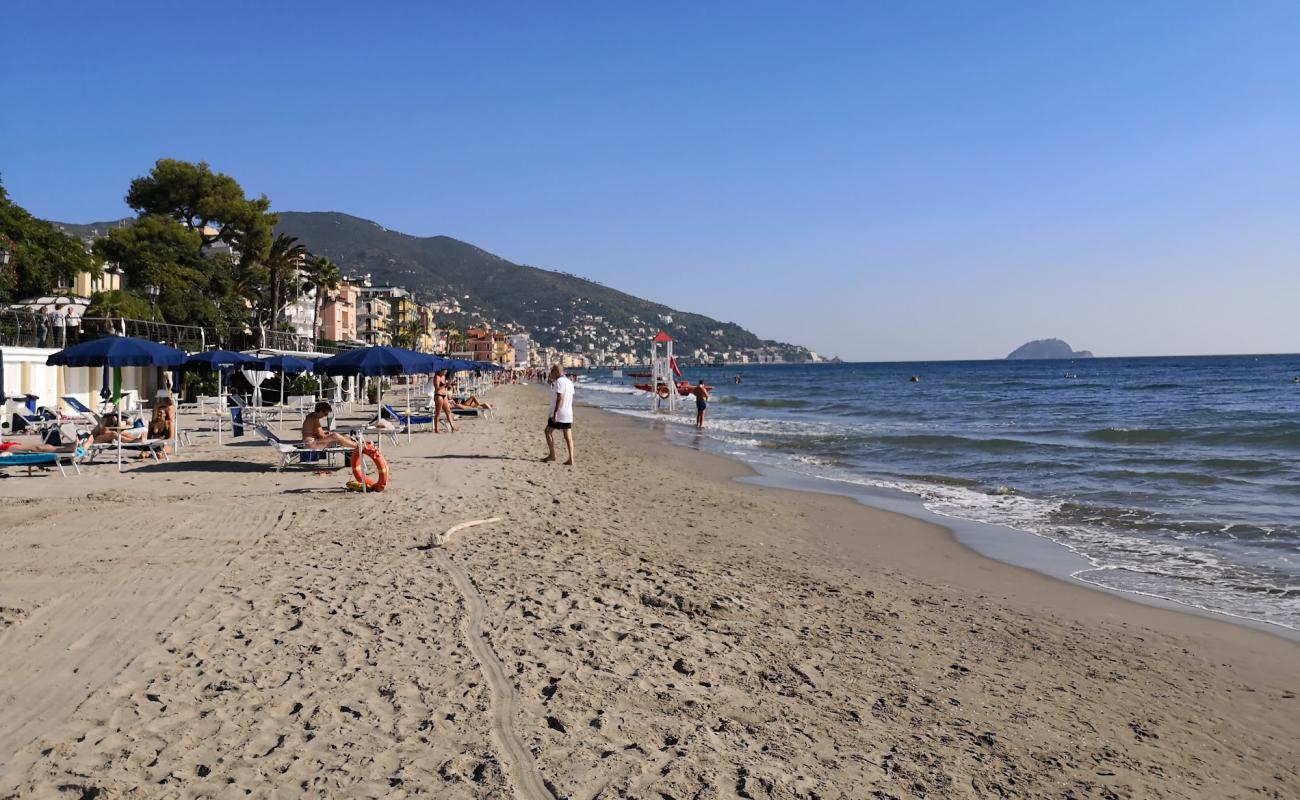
x,y
1047,348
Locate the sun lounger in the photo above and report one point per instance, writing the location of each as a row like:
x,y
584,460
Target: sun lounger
x,y
296,453
150,447
30,460
467,412
406,420
81,412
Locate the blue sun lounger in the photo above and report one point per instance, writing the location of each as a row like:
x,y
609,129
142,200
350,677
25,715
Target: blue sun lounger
x,y
30,460
408,420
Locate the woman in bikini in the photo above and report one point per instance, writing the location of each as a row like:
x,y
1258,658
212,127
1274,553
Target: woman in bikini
x,y
443,399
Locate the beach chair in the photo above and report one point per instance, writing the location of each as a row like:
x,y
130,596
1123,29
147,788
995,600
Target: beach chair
x,y
27,417
295,453
30,460
406,420
151,447
380,427
81,412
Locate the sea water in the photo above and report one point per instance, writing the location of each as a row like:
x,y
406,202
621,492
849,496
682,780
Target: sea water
x,y
1177,478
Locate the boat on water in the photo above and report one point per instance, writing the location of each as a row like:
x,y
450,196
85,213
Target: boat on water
x,y
683,388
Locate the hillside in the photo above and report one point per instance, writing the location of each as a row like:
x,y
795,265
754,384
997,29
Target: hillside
x,y
560,310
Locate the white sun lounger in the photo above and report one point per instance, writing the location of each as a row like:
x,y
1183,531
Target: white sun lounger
x,y
296,453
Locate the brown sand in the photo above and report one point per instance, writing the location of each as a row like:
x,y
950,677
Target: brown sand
x,y
638,626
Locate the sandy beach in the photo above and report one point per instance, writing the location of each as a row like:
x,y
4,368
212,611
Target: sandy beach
x,y
638,626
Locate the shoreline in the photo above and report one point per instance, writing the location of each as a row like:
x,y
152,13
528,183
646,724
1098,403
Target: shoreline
x,y
1006,545
652,627
999,542
744,473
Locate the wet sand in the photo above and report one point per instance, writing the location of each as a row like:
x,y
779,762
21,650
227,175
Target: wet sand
x,y
638,626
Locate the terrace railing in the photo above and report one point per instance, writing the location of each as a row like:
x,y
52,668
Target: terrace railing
x,y
22,328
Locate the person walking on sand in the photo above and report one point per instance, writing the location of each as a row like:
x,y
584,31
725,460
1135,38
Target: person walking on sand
x,y
442,399
701,393
561,418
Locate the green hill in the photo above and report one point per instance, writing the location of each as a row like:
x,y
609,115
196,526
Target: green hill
x,y
558,309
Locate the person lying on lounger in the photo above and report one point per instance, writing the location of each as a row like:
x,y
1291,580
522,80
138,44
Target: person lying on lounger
x,y
314,434
106,432
471,402
35,447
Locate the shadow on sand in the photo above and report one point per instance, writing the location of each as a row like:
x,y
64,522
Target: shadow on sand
x,y
206,466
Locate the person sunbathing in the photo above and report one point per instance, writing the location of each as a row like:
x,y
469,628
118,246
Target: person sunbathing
x,y
471,402
314,434
108,431
35,447
163,423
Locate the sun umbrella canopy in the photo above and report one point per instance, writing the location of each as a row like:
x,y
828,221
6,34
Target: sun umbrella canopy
x,y
74,307
436,363
289,365
220,359
372,361
117,351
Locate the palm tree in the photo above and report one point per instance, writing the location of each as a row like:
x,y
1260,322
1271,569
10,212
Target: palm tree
x,y
284,255
322,276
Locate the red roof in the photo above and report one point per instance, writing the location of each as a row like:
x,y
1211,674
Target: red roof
x,y
662,337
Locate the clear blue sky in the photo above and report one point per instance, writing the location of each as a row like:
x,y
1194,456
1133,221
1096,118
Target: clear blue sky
x,y
881,180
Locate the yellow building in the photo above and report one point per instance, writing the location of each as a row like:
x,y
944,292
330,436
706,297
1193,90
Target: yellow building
x,y
108,280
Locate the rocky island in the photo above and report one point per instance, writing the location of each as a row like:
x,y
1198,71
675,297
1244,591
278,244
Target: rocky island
x,y
1047,348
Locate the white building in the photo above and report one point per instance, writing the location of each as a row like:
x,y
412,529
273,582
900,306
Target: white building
x,y
521,344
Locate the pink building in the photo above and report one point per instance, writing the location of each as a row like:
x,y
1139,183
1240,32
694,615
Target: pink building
x,y
338,314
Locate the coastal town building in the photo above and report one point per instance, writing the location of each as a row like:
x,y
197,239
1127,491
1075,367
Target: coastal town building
x,y
373,319
338,313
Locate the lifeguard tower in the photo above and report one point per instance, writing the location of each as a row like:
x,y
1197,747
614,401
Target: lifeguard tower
x,y
663,373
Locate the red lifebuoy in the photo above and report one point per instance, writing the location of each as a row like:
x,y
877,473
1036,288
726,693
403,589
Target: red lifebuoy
x,y
663,391
371,452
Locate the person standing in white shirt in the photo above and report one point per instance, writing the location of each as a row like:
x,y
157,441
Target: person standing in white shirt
x,y
561,418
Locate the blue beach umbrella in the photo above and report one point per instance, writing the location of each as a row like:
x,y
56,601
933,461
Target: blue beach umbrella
x,y
375,361
115,352
289,365
380,360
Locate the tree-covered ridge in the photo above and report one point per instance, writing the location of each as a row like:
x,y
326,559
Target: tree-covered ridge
x,y
223,259
555,307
